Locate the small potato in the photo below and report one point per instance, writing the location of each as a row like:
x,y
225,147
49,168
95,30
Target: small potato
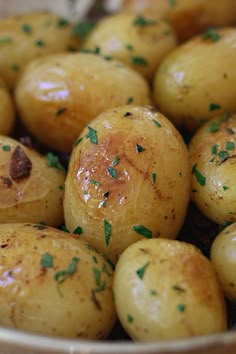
x,y
7,111
212,157
165,290
53,283
30,190
196,81
139,41
128,178
29,36
57,96
223,258
188,17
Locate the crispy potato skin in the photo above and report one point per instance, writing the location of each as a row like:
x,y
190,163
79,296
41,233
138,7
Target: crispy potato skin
x,y
7,110
34,301
35,198
163,289
190,87
212,155
30,36
123,38
57,96
151,187
188,17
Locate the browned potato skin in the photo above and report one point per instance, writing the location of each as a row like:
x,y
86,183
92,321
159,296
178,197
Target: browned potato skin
x,y
46,34
33,301
178,295
134,199
118,36
57,96
35,198
7,111
189,81
216,198
188,17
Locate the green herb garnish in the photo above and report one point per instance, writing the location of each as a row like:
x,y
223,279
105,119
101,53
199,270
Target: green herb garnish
x,y
53,161
154,177
181,307
140,272
115,161
141,21
142,230
139,148
107,231
62,275
214,127
62,22
211,34
223,155
112,171
95,182
200,178
82,29
229,145
157,123
6,148
78,141
47,261
40,43
26,28
129,100
214,106
214,149
92,135
5,40
139,61
130,318
78,230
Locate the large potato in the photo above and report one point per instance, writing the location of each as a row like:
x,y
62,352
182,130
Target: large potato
x,y
139,41
128,178
30,190
223,257
166,289
7,111
188,17
53,283
213,160
29,36
58,95
196,81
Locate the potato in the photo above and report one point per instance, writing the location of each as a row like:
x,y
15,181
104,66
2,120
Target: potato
x,y
188,17
196,81
128,178
165,290
30,190
57,96
7,111
139,41
212,157
29,36
53,283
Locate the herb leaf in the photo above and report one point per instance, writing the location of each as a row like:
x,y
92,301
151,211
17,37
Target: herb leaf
x,y
142,230
140,272
211,34
82,29
62,275
47,261
53,161
92,135
139,61
139,148
200,178
107,231
157,123
78,230
141,21
112,171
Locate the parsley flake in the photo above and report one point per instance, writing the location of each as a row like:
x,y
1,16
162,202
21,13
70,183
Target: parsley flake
x,y
40,43
225,188
172,2
78,230
213,128
129,100
139,61
157,123
53,161
178,288
181,307
223,155
26,28
62,275
107,231
200,178
95,182
140,272
78,141
211,34
6,148
154,177
115,161
92,135
47,261
139,148
62,22
129,47
112,171
229,145
142,230
82,29
214,149
5,40
130,318
141,21
214,107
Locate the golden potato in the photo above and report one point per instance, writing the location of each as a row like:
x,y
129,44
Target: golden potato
x,y
196,81
212,157
188,17
128,178
29,36
58,95
166,289
7,111
30,190
223,258
139,41
53,283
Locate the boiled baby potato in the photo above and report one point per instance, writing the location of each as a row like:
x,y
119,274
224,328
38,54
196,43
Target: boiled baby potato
x,y
212,153
53,283
139,41
128,178
28,36
196,81
165,290
188,17
7,111
223,251
30,190
57,96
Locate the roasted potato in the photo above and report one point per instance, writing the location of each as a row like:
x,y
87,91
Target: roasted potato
x,y
29,36
196,81
57,96
53,283
128,178
212,157
30,190
7,110
165,290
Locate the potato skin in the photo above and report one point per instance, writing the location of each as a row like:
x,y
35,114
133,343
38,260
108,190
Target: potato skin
x,y
190,87
165,290
7,110
58,95
35,198
30,36
223,259
212,159
33,300
122,37
148,187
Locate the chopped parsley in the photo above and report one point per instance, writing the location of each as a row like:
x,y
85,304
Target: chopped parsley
x,y
178,288
95,182
4,40
62,22
200,178
107,231
214,127
223,155
230,145
61,187
40,43
78,141
157,123
214,107
225,188
214,149
112,171
15,67
82,29
172,2
92,135
153,292
130,318
6,148
129,47
115,161
141,271
78,230
142,230
26,28
211,34
154,177
62,275
129,100
141,21
47,261
181,307
97,276
53,161
139,148
139,61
